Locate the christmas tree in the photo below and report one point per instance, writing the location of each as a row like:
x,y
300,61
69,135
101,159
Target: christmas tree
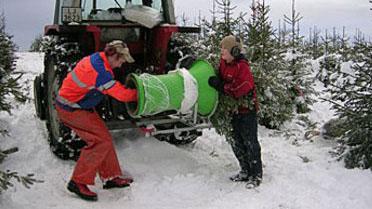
x,y
269,68
300,81
9,86
215,32
10,90
351,96
36,44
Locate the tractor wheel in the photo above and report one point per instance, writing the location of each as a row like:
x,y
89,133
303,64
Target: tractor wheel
x,y
63,142
39,100
181,138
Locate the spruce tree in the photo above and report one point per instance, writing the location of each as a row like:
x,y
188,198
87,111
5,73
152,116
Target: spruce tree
x,y
300,85
36,44
344,49
327,44
9,78
351,96
207,44
315,47
334,44
358,45
221,26
10,90
269,68
328,65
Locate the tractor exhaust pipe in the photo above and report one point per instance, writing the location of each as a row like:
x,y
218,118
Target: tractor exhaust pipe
x,y
56,12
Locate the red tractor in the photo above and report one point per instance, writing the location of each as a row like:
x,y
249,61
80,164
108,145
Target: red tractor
x,y
83,27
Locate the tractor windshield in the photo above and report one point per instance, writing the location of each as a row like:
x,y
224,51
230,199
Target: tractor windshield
x,y
111,9
145,12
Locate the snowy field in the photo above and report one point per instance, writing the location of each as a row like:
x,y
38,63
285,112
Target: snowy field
x,y
296,175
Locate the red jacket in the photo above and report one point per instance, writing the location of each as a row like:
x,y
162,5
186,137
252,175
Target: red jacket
x,y
90,80
238,80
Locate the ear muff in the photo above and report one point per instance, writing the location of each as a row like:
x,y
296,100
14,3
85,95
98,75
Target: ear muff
x,y
235,50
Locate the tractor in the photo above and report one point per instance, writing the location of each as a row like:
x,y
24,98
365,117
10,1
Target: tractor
x,y
82,27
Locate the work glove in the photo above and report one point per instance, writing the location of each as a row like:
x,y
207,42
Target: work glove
x,y
216,83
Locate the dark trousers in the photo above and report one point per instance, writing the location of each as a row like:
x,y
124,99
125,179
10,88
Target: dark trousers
x,y
245,145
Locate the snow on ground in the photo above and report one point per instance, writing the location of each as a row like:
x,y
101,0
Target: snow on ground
x,y
296,175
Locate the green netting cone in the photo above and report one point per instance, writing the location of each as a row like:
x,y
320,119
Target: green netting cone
x,y
159,93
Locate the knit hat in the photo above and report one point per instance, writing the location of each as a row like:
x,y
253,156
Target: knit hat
x,y
228,42
122,49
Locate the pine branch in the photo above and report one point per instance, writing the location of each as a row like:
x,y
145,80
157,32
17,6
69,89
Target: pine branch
x,y
6,177
340,106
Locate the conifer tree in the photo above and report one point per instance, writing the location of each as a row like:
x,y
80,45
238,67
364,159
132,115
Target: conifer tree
x,y
10,90
358,44
335,44
300,84
315,46
222,24
269,68
329,65
327,44
9,78
36,44
351,96
345,48
281,34
331,62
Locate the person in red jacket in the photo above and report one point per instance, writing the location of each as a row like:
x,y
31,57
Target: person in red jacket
x,y
236,80
82,89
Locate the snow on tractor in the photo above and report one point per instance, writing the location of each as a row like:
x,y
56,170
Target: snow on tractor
x,y
83,27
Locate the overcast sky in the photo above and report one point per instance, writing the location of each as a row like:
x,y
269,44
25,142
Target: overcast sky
x,y
25,19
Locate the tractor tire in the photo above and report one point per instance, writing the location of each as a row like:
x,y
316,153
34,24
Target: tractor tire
x,y
39,97
181,138
63,142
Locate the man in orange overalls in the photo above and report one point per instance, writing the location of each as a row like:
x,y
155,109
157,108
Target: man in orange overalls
x,y
81,91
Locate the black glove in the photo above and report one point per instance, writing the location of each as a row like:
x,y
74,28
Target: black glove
x,y
216,83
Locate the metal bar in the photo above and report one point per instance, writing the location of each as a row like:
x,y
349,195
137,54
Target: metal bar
x,y
56,12
120,125
188,29
157,122
195,113
168,10
175,130
94,4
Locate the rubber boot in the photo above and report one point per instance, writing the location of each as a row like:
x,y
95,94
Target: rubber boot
x,y
82,191
117,182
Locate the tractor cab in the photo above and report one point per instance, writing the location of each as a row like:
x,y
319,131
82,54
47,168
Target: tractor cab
x,y
147,26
